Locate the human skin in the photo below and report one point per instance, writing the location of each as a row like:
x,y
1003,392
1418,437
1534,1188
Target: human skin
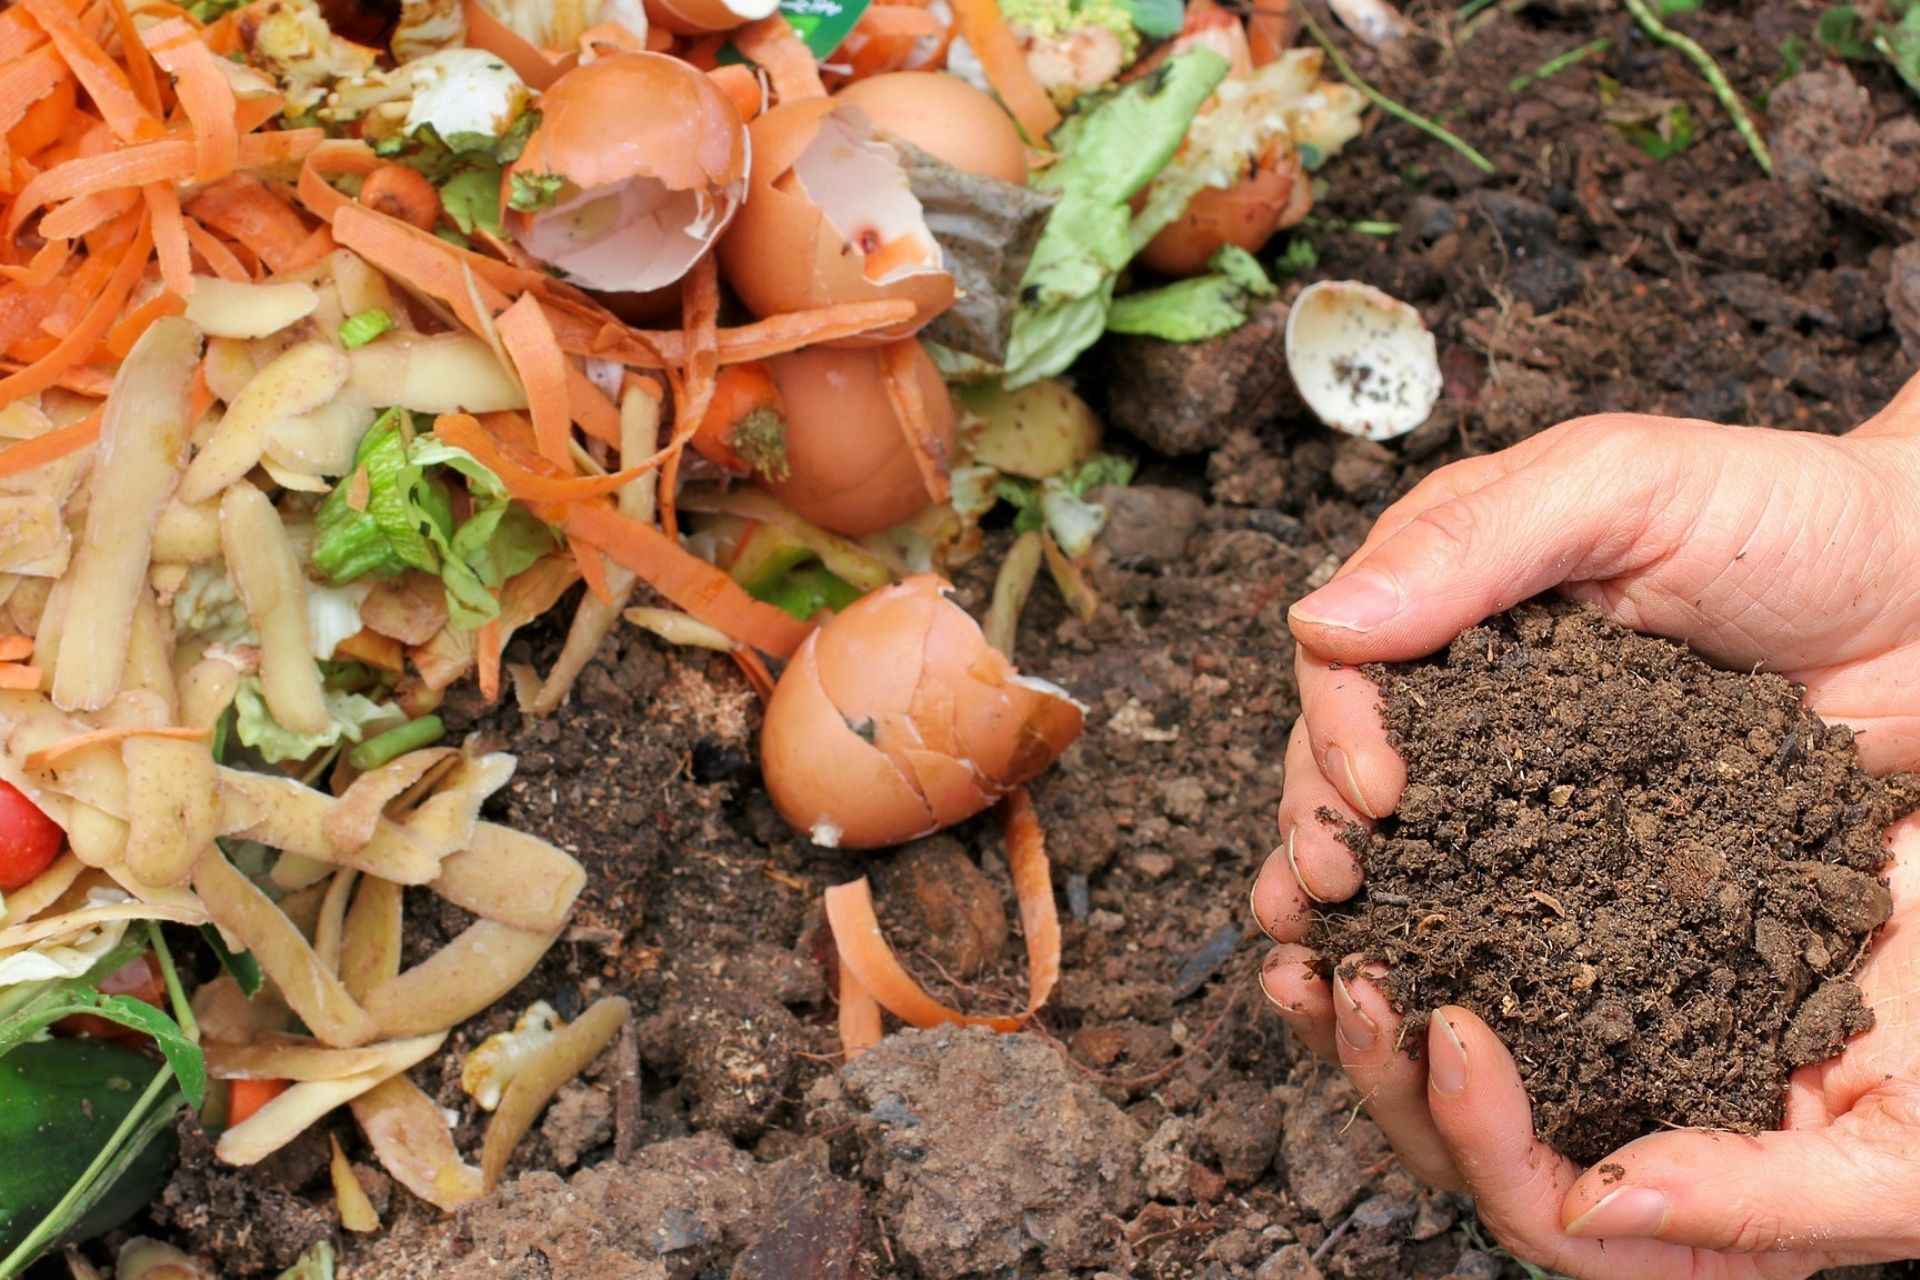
x,y
1794,553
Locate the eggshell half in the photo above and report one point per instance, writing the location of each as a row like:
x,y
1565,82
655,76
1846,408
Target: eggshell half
x,y
1363,360
654,158
849,466
824,196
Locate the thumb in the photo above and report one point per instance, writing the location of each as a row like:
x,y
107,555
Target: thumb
x,y
1582,510
1832,1189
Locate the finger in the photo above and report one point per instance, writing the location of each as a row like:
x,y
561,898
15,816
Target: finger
x,y
1480,1107
1294,985
1341,709
1901,415
1869,697
1842,1188
1369,1036
1316,823
1571,514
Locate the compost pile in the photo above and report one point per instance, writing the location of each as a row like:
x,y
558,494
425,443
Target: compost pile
x,y
1652,878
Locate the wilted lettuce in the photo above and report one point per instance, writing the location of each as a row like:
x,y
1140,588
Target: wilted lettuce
x,y
1197,309
1110,148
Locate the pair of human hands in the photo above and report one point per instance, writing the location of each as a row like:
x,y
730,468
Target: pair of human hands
x,y
1795,553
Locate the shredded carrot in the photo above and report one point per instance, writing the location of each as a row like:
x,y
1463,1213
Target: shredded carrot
x,y
44,268
900,362
127,330
103,79
593,570
742,85
169,160
865,953
518,474
335,157
683,578
205,95
700,312
18,677
406,253
488,647
24,84
860,1026
1006,67
77,217
46,119
39,761
403,193
25,455
139,62
15,648
247,211
774,336
1032,875
754,668
245,1097
598,416
214,252
170,244
894,21
536,357
70,350
783,55
740,392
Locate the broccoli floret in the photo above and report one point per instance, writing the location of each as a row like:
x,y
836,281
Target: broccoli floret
x,y
1052,19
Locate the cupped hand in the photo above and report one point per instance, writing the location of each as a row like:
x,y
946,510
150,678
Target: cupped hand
x,y
1768,549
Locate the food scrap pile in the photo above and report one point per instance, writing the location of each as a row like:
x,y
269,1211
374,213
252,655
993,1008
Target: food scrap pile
x,y
338,342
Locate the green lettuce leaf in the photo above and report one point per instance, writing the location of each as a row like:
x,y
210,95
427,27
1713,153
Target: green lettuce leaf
x,y
1197,309
350,714
1110,147
409,522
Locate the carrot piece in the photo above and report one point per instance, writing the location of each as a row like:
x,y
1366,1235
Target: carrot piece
x,y
864,952
46,118
18,35
593,570
205,95
742,391
1032,875
127,330
70,350
103,79
860,1026
13,676
44,267
25,455
406,253
403,193
245,1097
598,416
23,85
683,578
15,648
246,210
536,357
170,244
333,157
169,160
38,761
87,213
1006,68
488,648
902,372
774,336
517,474
776,47
139,64
896,21
743,86
214,252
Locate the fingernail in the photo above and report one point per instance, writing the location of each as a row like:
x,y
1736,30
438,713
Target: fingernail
x,y
1295,868
1359,601
1339,762
1267,966
1633,1212
1355,1027
1447,1059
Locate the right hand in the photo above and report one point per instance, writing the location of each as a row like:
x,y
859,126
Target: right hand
x,y
1790,552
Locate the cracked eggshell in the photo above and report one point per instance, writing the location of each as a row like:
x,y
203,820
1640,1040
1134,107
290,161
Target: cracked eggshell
x,y
829,219
1363,360
849,466
896,719
654,158
945,117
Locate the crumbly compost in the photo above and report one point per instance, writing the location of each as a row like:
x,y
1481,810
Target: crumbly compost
x,y
1651,877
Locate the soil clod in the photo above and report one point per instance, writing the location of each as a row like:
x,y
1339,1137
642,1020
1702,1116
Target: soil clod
x,y
1652,878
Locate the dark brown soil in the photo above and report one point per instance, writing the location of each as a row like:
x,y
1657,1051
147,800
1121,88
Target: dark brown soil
x,y
1651,877
1583,276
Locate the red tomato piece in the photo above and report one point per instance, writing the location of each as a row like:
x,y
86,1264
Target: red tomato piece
x,y
29,839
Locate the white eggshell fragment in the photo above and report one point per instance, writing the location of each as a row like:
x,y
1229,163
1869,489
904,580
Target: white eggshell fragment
x,y
1363,360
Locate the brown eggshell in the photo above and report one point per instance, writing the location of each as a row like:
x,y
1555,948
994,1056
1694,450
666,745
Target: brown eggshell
x,y
1246,215
849,466
782,255
816,754
945,117
815,764
612,126
702,17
